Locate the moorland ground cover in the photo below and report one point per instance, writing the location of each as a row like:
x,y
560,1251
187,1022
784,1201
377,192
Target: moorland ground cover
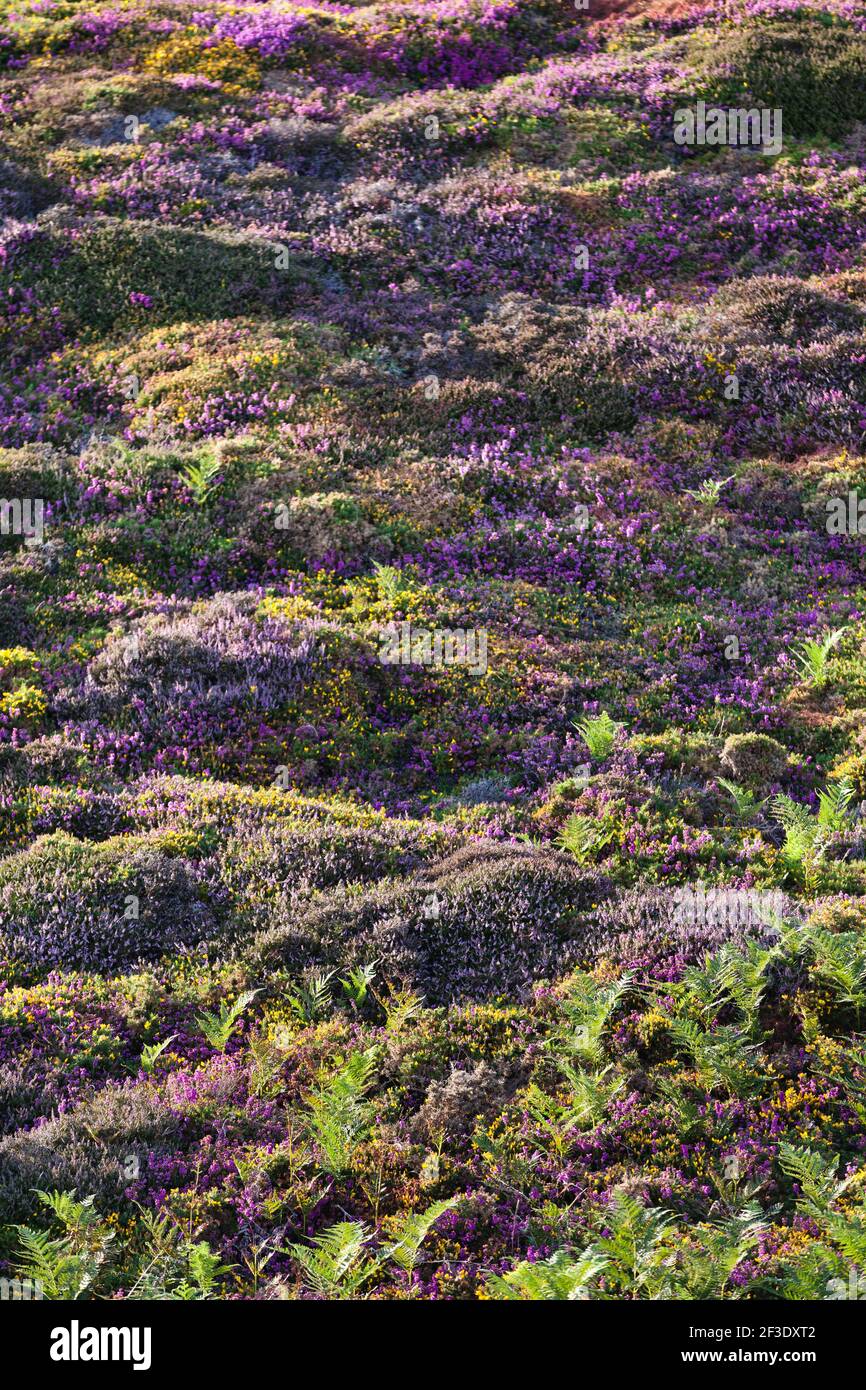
x,y
431,651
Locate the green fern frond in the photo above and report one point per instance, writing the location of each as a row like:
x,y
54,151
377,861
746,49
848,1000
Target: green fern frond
x,y
564,1276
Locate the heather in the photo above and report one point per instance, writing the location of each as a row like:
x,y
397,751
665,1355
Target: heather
x,y
432,767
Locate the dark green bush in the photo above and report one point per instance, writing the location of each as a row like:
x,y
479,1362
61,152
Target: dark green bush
x,y
37,470
755,759
810,65
91,272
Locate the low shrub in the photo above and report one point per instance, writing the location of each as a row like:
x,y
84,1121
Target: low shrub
x,y
489,919
756,759
74,904
811,65
105,272
217,654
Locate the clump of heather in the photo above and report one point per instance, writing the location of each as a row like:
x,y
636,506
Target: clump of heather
x,y
220,655
71,904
